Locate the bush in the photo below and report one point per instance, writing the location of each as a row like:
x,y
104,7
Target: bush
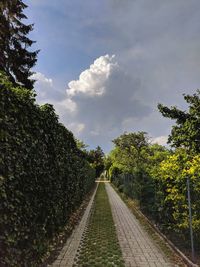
x,y
43,179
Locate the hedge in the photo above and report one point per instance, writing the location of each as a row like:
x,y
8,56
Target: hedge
x,y
43,176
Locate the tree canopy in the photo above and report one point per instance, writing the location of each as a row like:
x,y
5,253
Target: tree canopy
x,y
16,60
186,132
96,159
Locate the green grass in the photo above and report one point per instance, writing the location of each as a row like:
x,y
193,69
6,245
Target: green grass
x,y
99,246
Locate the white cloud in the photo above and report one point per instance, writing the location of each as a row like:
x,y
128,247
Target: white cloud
x,y
41,78
94,107
104,95
161,140
76,128
43,85
159,48
47,93
68,104
92,81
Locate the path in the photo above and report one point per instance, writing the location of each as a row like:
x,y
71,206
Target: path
x,y
137,247
68,252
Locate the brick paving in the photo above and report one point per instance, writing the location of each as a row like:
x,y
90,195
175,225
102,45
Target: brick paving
x,y
138,249
68,252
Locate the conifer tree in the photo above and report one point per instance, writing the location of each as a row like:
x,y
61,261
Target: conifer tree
x,y
15,58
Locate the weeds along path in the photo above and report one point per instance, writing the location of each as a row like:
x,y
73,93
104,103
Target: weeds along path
x,y
99,246
137,247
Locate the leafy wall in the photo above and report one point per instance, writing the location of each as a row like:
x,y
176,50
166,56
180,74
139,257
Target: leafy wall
x,y
43,175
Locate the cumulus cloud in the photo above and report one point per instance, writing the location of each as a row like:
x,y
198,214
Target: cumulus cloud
x,y
67,104
94,106
103,96
161,140
92,81
156,44
76,128
41,78
46,91
43,85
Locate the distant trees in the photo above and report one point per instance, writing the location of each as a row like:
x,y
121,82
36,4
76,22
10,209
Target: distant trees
x,y
129,165
96,159
81,145
15,59
130,148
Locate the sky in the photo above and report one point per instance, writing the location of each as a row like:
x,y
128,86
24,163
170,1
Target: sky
x,y
105,65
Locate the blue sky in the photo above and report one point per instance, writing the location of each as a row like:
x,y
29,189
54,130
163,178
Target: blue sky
x,y
105,65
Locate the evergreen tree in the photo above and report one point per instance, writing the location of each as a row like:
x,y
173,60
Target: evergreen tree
x,y
15,59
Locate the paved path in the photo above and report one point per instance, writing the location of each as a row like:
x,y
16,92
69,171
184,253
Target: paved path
x,y
137,247
68,252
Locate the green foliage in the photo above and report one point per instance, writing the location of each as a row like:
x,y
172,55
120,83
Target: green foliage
x,y
133,164
100,246
131,149
172,173
129,167
127,141
96,159
15,60
186,132
156,178
43,176
171,176
81,145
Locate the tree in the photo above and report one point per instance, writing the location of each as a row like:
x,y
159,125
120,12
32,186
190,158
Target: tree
x,y
186,132
107,165
128,159
81,145
131,148
133,163
96,158
128,140
171,196
15,60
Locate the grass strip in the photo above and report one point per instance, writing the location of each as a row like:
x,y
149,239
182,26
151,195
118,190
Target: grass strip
x,y
99,246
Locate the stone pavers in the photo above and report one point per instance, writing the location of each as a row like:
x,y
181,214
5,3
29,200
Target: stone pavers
x,y
138,249
68,252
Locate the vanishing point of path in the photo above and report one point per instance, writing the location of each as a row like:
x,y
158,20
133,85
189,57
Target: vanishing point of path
x,y
137,247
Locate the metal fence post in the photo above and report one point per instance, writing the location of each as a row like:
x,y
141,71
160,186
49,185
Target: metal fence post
x,y
190,219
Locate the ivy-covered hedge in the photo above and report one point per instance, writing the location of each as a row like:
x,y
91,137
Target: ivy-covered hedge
x,y
43,176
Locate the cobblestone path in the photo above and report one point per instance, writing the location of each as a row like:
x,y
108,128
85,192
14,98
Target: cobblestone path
x,y
137,247
68,253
